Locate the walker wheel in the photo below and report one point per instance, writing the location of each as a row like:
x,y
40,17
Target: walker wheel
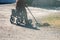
x,y
12,19
17,21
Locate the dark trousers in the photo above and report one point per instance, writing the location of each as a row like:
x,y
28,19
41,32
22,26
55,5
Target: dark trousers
x,y
22,14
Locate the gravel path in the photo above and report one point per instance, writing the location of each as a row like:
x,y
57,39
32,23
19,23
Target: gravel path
x,y
9,31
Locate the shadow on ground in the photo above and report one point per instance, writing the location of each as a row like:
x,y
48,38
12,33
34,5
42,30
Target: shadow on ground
x,y
32,27
27,26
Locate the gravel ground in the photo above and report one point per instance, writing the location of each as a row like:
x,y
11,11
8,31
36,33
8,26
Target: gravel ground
x,y
9,31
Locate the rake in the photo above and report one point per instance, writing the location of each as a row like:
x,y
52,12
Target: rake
x,y
36,24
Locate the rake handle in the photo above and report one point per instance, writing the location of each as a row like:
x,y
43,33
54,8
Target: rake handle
x,y
32,14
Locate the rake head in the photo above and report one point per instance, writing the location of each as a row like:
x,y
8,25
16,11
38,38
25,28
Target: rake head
x,y
37,25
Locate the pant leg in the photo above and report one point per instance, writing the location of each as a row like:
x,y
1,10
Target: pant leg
x,y
19,14
25,16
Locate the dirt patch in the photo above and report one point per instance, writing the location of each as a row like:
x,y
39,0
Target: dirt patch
x,y
53,19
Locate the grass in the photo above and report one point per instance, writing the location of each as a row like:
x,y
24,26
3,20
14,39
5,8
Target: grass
x,y
52,20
